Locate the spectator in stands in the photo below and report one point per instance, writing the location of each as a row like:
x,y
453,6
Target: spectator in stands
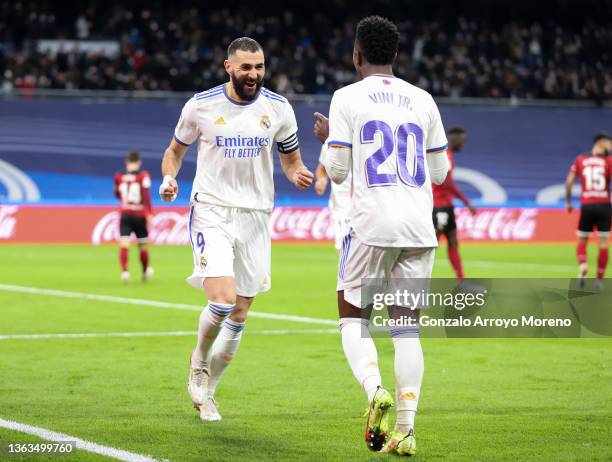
x,y
178,48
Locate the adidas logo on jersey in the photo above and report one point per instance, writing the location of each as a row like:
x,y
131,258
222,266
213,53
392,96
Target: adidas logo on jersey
x,y
220,121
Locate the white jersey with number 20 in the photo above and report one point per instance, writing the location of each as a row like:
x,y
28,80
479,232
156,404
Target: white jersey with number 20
x,y
388,126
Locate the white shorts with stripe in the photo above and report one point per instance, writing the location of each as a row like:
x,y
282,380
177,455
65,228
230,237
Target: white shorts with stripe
x,y
359,261
342,226
234,242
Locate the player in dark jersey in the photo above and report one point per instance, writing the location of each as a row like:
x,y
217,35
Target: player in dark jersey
x,y
444,210
594,170
132,188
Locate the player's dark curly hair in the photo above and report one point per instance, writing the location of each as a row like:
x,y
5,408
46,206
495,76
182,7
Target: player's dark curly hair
x,y
456,130
133,156
243,44
379,40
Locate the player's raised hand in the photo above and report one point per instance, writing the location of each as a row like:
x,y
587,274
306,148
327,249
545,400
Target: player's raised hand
x,y
302,178
472,209
321,127
168,190
569,207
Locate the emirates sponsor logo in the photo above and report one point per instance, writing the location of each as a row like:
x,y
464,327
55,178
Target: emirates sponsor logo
x,y
166,228
497,224
8,221
309,223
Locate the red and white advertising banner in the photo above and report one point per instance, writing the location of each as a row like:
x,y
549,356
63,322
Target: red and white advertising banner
x,y
99,225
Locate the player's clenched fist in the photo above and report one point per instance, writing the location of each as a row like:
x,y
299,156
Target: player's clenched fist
x,y
168,190
302,178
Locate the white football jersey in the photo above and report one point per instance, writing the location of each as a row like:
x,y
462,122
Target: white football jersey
x,y
340,195
235,146
389,126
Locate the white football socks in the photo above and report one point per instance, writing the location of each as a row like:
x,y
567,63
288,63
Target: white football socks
x,y
210,324
223,351
409,367
360,353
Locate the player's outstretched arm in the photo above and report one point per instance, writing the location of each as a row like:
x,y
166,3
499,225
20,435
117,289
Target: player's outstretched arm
x,y
171,165
569,184
295,170
459,194
321,180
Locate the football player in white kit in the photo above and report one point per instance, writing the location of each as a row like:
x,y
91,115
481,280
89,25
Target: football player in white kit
x,y
235,126
389,134
340,194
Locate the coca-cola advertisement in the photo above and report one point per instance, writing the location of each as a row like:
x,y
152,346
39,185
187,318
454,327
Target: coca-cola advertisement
x,y
516,224
170,225
167,227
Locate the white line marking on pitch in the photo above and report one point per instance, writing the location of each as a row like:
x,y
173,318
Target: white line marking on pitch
x,y
512,265
83,445
155,334
154,303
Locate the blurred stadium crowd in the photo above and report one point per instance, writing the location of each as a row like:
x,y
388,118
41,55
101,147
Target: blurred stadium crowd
x,y
458,50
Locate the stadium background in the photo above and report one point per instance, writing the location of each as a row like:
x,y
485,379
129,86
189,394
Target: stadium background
x,y
531,82
84,83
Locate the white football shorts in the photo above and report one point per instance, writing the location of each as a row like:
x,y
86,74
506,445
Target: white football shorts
x,y
342,226
359,261
234,242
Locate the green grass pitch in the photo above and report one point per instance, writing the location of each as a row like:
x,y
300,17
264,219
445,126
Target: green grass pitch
x,y
286,396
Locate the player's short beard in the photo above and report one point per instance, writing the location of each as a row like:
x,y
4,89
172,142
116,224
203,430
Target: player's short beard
x,y
240,87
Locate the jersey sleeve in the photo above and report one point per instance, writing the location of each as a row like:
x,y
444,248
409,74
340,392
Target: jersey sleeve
x,y
323,152
340,126
117,180
436,138
575,168
186,131
286,136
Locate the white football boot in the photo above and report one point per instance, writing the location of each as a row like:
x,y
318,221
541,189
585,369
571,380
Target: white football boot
x,y
208,411
125,277
148,274
197,385
584,270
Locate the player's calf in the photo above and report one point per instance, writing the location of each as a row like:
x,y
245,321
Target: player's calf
x,y
602,260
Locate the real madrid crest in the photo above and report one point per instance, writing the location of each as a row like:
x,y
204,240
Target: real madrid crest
x,y
203,262
265,122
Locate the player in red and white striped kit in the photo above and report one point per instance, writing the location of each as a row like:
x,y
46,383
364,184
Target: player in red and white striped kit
x,y
132,188
444,209
594,170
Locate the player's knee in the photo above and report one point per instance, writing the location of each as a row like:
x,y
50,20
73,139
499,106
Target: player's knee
x,y
238,315
346,310
241,309
221,290
222,295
